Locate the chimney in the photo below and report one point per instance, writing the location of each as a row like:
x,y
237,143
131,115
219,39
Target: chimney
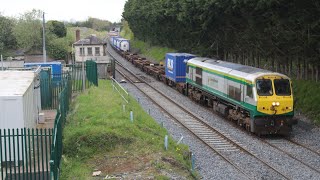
x,y
77,35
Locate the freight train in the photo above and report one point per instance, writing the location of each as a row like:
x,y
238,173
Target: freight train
x,y
261,101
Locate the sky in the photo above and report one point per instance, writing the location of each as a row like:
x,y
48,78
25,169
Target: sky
x,y
66,10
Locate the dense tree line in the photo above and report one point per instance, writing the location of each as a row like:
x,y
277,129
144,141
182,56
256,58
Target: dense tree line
x,y
25,33
282,35
93,23
7,39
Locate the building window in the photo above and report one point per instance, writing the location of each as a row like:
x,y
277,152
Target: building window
x,y
97,51
89,51
81,51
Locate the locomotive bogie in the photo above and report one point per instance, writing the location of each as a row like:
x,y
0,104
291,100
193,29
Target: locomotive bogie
x,y
242,94
258,100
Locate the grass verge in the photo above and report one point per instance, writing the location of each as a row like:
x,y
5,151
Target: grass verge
x,y
307,99
99,136
155,53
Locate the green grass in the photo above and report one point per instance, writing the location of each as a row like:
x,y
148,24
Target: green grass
x,y
98,128
84,32
156,53
307,99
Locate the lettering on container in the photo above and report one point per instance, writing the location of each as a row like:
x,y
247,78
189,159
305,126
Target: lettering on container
x,y
170,65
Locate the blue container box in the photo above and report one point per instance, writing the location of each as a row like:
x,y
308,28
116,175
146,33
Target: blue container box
x,y
56,68
176,66
113,40
123,44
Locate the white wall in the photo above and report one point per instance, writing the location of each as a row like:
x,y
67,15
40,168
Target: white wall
x,y
79,58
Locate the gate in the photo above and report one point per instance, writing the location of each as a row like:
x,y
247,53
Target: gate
x,y
56,148
25,154
92,72
51,85
35,154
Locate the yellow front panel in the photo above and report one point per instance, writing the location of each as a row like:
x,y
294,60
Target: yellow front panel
x,y
266,104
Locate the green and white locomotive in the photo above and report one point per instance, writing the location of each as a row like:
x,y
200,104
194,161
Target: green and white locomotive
x,y
259,100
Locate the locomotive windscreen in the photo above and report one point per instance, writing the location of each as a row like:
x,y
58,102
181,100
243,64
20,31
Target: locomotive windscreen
x,y
282,87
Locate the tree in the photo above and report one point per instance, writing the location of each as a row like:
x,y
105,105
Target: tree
x,y
58,28
245,31
28,30
94,23
58,48
7,40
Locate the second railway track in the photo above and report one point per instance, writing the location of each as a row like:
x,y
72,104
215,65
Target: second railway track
x,y
277,162
218,141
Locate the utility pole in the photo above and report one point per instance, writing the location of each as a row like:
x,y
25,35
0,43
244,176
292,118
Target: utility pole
x,y
44,40
2,62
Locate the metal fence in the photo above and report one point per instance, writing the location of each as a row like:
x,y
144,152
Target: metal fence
x,y
56,148
62,111
24,153
51,85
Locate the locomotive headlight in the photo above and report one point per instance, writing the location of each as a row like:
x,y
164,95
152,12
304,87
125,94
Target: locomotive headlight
x,y
277,103
273,103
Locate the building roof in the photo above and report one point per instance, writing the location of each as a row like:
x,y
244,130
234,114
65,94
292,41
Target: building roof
x,y
227,68
90,40
15,83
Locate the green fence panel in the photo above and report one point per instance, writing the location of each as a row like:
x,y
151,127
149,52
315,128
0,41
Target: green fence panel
x,y
62,111
28,153
45,89
92,72
24,153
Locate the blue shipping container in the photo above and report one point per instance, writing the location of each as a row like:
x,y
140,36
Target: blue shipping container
x,y
113,39
56,68
176,66
123,44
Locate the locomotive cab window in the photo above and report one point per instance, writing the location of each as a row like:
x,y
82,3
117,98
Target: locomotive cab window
x,y
282,87
264,87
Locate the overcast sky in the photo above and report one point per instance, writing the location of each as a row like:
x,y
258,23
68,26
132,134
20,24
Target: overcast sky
x,y
66,9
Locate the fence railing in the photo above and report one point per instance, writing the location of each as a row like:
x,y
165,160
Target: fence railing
x,y
51,85
122,92
25,153
56,148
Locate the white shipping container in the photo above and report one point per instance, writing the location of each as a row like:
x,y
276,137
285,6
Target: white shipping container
x,y
19,100
20,105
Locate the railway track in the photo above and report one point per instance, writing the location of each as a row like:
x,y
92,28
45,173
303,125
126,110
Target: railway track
x,y
294,151
303,146
220,143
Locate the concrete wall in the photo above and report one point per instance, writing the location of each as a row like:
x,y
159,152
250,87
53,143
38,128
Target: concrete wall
x,y
36,58
94,57
104,69
12,64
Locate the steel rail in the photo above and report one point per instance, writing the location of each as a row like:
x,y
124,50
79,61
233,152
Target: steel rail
x,y
288,154
211,128
302,145
203,141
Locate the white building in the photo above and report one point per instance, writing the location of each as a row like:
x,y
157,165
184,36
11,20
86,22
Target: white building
x,y
90,48
20,100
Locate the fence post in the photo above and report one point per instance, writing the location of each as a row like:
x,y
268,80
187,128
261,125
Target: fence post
x,y
1,170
